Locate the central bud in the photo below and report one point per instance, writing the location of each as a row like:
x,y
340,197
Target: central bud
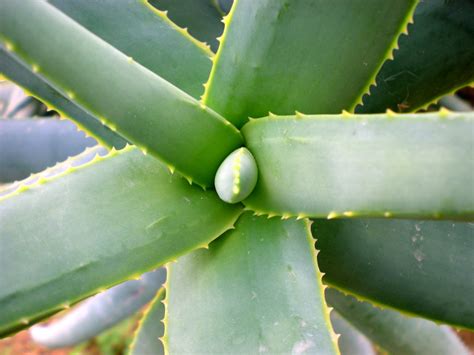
x,y
237,176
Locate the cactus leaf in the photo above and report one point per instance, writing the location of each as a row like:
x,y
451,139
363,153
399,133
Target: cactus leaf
x,y
31,145
313,56
433,60
96,225
150,107
36,86
201,17
394,332
351,341
99,312
151,329
415,266
258,289
414,165
147,36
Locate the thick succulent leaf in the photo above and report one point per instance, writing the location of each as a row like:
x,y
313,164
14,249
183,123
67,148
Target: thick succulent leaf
x,y
70,236
16,71
313,56
148,36
423,268
151,329
435,59
258,288
394,332
364,165
351,341
149,111
99,312
31,145
202,18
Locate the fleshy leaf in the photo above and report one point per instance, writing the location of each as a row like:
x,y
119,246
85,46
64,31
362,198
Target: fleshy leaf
x,y
313,56
147,36
31,145
99,312
16,71
152,113
258,288
396,333
200,17
72,235
351,341
147,339
386,165
423,268
433,60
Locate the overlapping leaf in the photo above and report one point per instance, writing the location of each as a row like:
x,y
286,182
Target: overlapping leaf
x,y
433,60
126,96
373,165
312,56
258,290
31,145
423,268
70,236
396,333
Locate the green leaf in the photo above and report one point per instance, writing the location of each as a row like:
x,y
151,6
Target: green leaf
x,y
435,59
100,312
423,268
72,235
201,17
147,338
31,145
140,31
36,86
152,113
256,289
312,56
364,165
351,341
394,332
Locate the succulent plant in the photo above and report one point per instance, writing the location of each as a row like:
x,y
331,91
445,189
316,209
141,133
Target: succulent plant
x,y
310,125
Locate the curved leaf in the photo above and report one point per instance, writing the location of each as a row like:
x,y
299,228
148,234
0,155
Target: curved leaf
x,y
364,165
31,145
351,341
152,113
151,329
69,236
433,60
394,332
257,288
136,29
313,56
16,71
201,17
422,268
99,312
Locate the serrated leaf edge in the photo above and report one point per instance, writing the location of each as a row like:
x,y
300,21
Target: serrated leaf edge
x,y
226,20
389,55
319,276
203,46
158,298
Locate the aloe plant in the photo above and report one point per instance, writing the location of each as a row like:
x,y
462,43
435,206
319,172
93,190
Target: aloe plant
x,y
224,167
